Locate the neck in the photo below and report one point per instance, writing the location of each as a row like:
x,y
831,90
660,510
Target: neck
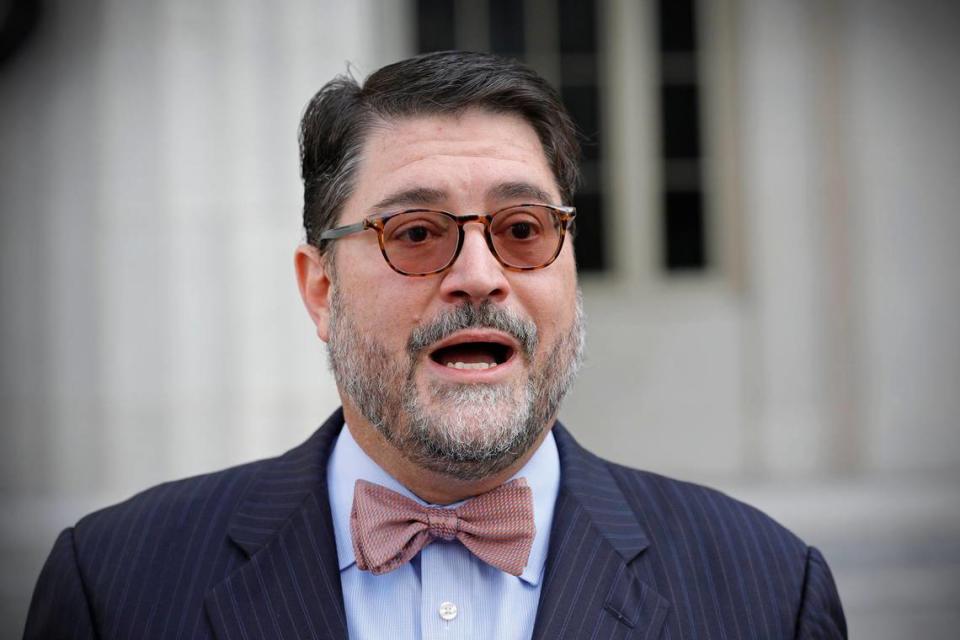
x,y
429,486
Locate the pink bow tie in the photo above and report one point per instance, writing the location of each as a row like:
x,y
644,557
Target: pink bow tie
x,y
388,529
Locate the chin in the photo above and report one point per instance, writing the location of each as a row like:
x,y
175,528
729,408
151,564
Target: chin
x,y
470,431
476,414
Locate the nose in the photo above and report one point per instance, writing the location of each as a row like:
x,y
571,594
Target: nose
x,y
476,275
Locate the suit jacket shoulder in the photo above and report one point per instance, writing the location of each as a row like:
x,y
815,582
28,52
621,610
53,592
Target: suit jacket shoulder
x,y
166,511
684,512
683,560
144,567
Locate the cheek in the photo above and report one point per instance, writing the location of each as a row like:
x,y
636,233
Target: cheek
x,y
555,297
553,317
389,308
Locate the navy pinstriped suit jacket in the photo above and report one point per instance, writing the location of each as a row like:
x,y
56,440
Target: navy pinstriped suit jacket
x,y
249,553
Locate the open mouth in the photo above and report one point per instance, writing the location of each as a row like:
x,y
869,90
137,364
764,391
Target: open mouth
x,y
479,355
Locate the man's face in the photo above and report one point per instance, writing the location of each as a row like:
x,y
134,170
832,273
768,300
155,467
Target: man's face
x,y
395,341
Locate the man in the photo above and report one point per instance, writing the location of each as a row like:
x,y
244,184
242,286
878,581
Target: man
x,y
443,500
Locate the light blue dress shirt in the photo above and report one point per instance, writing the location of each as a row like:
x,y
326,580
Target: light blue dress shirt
x,y
445,591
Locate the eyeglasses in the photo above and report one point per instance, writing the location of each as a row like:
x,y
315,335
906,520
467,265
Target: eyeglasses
x,y
421,242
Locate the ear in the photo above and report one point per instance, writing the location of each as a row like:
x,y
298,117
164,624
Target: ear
x,y
314,287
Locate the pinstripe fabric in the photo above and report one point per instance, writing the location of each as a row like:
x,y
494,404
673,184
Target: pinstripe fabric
x,y
249,553
637,555
191,559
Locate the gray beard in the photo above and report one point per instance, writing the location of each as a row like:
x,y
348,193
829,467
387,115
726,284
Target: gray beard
x,y
471,431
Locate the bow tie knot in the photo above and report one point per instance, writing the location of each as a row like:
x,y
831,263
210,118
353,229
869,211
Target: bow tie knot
x,y
443,523
388,529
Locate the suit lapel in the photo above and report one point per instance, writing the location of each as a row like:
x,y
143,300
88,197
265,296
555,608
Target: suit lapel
x,y
592,587
289,587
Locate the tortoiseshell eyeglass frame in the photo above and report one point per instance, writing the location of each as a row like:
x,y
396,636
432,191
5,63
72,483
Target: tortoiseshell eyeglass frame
x,y
562,215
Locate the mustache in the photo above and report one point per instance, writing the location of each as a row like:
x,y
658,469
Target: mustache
x,y
487,315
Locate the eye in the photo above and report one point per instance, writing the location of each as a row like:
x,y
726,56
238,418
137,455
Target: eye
x,y
415,234
521,230
518,225
416,228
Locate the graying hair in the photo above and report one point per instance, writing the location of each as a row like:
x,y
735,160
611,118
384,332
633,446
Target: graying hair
x,y
337,120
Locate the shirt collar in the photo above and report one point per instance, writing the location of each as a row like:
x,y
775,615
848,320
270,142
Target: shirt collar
x,y
348,463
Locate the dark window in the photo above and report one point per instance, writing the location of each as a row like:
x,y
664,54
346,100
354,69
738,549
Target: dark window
x,y
677,24
506,27
578,26
435,19
583,104
680,121
683,223
570,62
589,229
683,229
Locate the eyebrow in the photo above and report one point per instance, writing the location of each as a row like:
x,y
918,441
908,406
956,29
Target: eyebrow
x,y
419,196
519,190
412,197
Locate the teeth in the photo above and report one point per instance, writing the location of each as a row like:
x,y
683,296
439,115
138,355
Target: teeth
x,y
470,365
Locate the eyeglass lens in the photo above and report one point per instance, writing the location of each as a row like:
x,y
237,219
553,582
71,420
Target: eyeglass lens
x,y
419,242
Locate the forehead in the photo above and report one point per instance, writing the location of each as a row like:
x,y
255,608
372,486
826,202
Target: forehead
x,y
461,157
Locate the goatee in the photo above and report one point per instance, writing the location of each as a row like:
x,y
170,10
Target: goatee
x,y
464,431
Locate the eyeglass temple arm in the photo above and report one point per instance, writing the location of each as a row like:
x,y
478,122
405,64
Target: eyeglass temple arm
x,y
339,232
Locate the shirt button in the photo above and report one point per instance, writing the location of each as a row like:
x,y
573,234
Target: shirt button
x,y
448,611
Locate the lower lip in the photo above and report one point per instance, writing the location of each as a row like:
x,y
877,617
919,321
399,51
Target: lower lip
x,y
468,376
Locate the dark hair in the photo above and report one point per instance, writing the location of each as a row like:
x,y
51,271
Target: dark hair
x,y
339,116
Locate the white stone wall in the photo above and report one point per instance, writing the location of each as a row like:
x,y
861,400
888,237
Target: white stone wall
x,y
150,206
814,371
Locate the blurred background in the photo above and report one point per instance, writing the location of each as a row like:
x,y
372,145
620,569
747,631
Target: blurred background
x,y
768,240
